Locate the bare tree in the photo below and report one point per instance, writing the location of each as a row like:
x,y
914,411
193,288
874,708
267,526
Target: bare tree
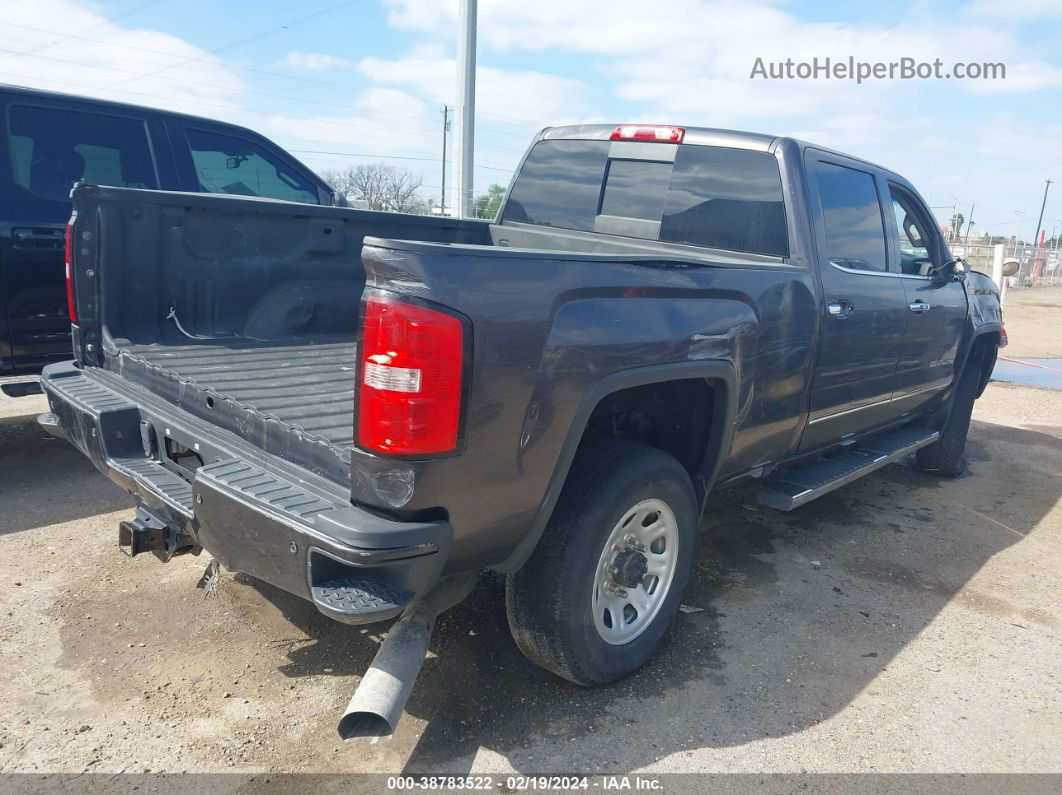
x,y
381,186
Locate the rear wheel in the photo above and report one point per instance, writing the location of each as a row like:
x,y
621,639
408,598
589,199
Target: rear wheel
x,y
947,455
605,581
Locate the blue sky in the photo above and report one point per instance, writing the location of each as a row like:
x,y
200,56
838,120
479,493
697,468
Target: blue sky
x,y
365,79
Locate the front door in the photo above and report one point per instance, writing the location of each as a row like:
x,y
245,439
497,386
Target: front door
x,y
936,307
864,311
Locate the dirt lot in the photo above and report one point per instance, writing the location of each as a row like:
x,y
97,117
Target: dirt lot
x,y
903,623
1033,322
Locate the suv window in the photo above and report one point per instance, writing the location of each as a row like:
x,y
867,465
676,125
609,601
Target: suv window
x,y
855,232
224,164
709,196
52,149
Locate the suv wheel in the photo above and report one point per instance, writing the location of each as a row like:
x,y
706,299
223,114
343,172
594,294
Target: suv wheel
x,y
605,581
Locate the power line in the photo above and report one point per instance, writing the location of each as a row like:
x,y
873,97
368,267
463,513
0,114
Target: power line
x,y
388,157
297,21
110,21
90,65
234,108
367,111
254,70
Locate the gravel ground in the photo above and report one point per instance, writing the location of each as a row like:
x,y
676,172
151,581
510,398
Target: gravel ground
x,y
1033,322
903,623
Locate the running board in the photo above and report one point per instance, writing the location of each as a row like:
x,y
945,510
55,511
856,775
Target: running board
x,y
802,484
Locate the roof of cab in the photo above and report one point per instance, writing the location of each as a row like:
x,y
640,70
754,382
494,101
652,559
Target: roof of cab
x,y
59,96
704,136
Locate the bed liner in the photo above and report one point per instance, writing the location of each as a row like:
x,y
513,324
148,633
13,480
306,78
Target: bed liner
x,y
292,399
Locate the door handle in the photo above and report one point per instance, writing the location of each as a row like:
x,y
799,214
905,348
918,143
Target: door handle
x,y
919,307
839,309
38,238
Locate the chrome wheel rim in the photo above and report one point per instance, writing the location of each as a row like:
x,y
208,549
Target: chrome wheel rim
x,y
644,542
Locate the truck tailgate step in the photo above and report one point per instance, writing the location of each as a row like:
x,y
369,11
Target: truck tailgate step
x,y
358,597
799,485
154,477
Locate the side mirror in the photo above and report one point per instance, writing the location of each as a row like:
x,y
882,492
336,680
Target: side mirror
x,y
1010,267
953,270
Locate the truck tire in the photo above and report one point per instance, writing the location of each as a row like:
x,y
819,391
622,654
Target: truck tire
x,y
947,455
605,581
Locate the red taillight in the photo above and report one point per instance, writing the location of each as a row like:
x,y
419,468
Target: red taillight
x,y
1003,337
649,132
411,371
71,308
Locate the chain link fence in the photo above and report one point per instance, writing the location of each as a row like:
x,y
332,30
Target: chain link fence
x,y
979,256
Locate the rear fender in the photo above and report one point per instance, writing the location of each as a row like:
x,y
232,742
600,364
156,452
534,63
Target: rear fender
x,y
720,373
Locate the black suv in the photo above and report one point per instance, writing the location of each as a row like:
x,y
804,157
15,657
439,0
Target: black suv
x,y
50,141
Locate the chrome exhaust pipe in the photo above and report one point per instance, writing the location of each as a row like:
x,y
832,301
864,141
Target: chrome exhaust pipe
x,y
377,705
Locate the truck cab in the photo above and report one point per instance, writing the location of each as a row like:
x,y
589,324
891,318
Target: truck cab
x,y
49,141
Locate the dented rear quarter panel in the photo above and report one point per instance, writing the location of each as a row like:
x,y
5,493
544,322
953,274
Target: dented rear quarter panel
x,y
547,328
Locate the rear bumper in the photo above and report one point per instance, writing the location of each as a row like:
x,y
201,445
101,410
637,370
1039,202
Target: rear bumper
x,y
254,513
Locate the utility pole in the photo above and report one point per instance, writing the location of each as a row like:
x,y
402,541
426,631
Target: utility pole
x,y
466,106
1036,237
969,227
446,129
1017,233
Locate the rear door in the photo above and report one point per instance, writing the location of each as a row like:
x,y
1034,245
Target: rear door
x,y
936,308
50,145
864,304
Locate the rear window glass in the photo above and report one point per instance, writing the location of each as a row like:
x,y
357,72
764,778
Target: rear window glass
x,y
51,149
634,187
716,197
559,185
726,198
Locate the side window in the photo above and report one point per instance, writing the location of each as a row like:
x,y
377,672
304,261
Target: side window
x,y
851,214
224,164
915,240
51,149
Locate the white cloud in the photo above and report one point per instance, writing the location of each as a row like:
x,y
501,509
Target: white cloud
x,y
519,94
694,56
689,61
314,61
63,45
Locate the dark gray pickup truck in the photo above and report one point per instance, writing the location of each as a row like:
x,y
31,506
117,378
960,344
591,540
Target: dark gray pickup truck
x,y
368,410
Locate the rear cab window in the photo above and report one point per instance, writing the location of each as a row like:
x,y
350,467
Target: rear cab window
x,y
51,149
708,196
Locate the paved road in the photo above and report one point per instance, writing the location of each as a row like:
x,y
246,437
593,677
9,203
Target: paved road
x,y
903,623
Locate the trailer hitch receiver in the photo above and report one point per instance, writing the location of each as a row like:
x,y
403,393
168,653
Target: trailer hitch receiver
x,y
146,533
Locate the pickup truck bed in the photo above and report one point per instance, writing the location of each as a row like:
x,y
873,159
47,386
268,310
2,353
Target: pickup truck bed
x,y
307,388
